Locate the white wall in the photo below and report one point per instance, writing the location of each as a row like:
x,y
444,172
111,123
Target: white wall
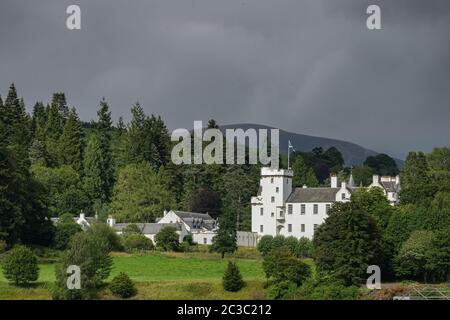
x,y
309,219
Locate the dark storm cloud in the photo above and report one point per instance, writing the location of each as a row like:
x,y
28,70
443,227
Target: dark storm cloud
x,y
305,66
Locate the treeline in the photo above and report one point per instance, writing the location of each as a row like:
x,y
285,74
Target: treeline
x,y
52,163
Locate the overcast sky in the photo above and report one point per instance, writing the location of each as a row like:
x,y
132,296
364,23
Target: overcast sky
x,y
309,67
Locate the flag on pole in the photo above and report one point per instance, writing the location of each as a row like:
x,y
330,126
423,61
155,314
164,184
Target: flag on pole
x,y
290,145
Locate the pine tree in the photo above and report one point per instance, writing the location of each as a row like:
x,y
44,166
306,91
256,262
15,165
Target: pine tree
x,y
38,121
103,130
232,279
16,126
53,131
94,181
60,103
71,142
136,134
303,175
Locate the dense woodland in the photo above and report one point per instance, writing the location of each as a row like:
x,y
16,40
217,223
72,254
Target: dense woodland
x,y
52,164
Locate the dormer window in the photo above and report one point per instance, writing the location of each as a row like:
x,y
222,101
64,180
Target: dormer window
x,y
343,196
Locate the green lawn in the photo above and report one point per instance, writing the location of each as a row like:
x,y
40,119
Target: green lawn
x,y
161,276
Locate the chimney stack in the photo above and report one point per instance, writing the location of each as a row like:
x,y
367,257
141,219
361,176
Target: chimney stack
x,y
375,179
334,181
111,221
397,179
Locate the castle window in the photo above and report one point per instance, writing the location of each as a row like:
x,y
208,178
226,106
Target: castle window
x,y
315,227
289,227
316,209
261,211
277,189
302,227
205,241
271,180
343,196
272,199
328,206
272,214
261,228
289,208
303,209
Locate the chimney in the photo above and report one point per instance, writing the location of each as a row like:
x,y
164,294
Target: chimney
x,y
82,215
375,179
165,212
397,179
111,221
343,185
334,181
304,186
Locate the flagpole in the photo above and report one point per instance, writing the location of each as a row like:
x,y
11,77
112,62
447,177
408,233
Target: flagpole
x,y
289,150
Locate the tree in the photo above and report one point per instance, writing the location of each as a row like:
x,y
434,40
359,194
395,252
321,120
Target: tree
x,y
225,240
416,186
130,230
91,254
438,256
122,286
382,164
362,175
303,175
103,128
373,201
71,142
232,279
280,265
95,181
107,235
168,239
38,154
138,242
305,248
65,230
346,243
205,200
20,266
411,261
265,244
139,195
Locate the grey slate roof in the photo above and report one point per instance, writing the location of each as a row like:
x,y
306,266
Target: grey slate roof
x,y
147,228
313,195
389,186
197,220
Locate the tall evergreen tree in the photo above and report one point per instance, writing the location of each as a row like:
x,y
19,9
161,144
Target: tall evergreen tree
x,y
103,128
303,175
53,131
38,121
71,142
137,134
94,180
59,101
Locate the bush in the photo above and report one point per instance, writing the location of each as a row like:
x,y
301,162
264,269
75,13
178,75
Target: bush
x,y
3,246
292,243
64,233
281,265
304,248
138,242
108,234
265,244
122,286
232,279
130,230
278,241
279,290
314,289
20,266
189,240
168,239
90,253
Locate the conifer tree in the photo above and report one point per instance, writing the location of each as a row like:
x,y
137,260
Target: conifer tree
x,y
232,279
93,181
71,142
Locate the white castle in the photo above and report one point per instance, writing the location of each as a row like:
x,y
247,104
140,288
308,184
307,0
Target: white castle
x,y
278,209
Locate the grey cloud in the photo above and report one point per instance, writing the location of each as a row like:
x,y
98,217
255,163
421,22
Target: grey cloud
x,y
306,66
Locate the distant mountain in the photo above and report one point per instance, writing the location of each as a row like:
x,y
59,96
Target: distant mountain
x,y
352,153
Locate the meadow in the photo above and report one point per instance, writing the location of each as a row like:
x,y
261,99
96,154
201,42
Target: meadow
x,y
162,276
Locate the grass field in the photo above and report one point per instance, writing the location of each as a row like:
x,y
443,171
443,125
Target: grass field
x,y
162,276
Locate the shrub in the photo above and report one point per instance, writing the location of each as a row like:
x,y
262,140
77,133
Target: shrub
x,y
91,254
130,230
167,239
314,289
189,240
292,243
281,265
279,290
65,232
304,248
20,266
265,244
138,242
108,234
411,259
3,246
122,286
232,279
278,242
